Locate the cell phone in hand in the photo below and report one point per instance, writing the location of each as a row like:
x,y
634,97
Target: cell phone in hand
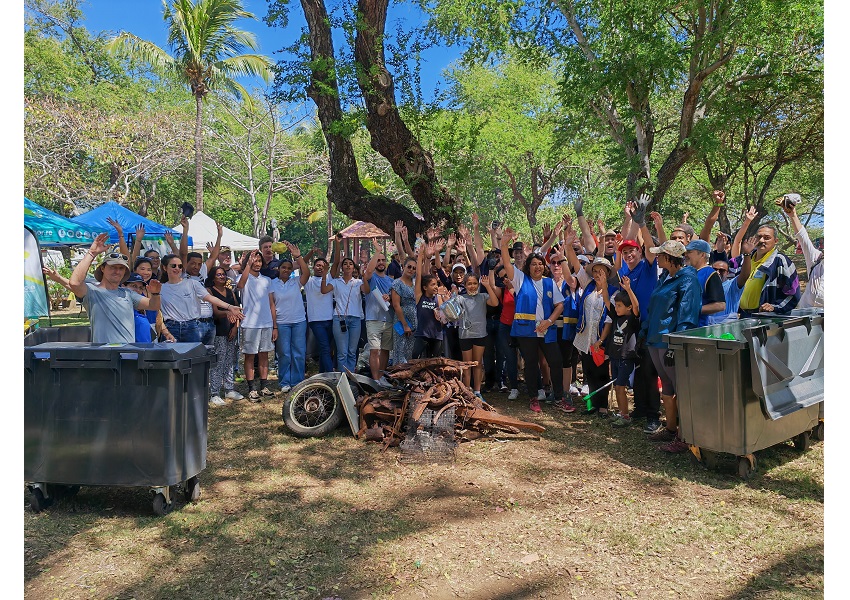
x,y
495,224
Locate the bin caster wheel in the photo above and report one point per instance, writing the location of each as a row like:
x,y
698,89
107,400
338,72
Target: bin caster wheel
x,y
746,466
817,432
193,489
802,442
709,458
160,506
38,502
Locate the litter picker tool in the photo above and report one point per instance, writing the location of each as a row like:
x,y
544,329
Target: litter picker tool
x,y
594,392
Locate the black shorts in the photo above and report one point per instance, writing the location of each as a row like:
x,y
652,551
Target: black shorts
x,y
466,344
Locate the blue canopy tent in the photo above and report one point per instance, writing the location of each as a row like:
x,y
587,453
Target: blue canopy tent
x,y
51,229
128,220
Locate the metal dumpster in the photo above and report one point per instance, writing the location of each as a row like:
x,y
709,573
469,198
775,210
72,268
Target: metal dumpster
x,y
117,415
746,385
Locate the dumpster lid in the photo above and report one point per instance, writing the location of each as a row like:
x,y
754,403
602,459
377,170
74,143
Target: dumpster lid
x,y
150,352
787,363
724,336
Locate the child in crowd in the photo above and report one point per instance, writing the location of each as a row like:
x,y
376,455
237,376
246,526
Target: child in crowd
x,y
621,348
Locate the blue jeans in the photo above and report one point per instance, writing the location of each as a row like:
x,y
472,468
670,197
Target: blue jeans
x,y
206,330
290,350
347,342
184,331
509,354
322,332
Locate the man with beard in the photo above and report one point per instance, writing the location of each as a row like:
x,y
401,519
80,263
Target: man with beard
x,y
379,317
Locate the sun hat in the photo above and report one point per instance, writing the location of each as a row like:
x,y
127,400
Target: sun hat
x,y
671,247
602,261
112,258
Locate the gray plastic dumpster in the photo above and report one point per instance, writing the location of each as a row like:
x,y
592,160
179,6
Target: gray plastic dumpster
x,y
115,415
760,385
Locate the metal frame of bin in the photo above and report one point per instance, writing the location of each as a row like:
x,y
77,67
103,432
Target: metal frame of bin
x,y
738,396
129,415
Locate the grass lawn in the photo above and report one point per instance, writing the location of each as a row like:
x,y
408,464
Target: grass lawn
x,y
582,511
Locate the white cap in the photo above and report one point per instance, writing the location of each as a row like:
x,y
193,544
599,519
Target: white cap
x,y
459,266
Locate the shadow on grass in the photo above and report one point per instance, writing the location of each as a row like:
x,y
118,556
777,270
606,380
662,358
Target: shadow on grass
x,y
790,576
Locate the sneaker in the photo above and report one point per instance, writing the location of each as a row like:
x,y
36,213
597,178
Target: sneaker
x,y
266,391
663,435
514,394
675,446
621,421
534,405
234,395
541,395
565,406
584,390
254,396
217,401
479,396
652,426
504,389
285,388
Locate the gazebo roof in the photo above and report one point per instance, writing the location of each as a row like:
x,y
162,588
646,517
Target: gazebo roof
x,y
362,229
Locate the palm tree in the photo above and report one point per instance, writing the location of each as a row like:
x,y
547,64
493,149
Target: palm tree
x,y
206,53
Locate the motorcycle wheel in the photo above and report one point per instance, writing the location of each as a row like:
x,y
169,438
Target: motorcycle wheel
x,y
312,409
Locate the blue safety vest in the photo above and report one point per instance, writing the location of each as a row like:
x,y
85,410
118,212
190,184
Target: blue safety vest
x,y
703,275
525,315
569,317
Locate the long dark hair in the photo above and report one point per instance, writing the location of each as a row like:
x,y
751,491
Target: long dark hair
x,y
424,280
209,282
163,264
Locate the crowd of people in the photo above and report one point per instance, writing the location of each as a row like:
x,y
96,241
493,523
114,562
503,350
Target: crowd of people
x,y
578,315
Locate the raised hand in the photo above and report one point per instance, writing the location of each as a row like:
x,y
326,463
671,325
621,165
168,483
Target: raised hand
x,y
461,245
748,245
293,249
463,232
509,234
578,205
441,243
547,231
639,209
656,218
685,217
210,247
475,219
154,286
140,232
399,226
184,221
452,241
557,256
750,215
719,197
626,282
169,238
570,238
99,244
220,230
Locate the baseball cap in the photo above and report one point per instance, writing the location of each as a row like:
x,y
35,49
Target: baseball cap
x,y
583,259
671,247
224,249
699,245
135,278
112,258
628,244
459,266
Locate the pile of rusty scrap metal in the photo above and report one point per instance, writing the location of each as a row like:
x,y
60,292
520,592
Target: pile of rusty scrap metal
x,y
434,384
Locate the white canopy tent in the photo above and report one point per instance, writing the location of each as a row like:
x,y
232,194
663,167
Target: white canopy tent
x,y
202,229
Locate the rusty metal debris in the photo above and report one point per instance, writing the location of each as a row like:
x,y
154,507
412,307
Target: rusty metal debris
x,y
429,390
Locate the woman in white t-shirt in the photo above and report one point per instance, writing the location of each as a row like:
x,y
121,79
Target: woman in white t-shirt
x,y
291,344
180,305
348,309
259,330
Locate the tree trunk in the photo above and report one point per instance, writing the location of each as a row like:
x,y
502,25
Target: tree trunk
x,y
345,189
199,154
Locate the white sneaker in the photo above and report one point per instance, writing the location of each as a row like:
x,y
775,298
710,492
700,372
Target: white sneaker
x,y
234,395
285,388
573,390
217,401
585,390
514,394
541,395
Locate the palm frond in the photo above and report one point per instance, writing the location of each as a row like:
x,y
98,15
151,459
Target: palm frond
x,y
252,65
131,46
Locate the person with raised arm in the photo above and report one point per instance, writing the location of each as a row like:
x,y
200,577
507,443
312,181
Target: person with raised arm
x,y
291,319
428,339
348,309
318,293
813,296
225,341
259,326
403,300
379,316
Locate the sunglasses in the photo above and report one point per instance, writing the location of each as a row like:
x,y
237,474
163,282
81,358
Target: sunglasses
x,y
174,266
411,267
115,255
722,270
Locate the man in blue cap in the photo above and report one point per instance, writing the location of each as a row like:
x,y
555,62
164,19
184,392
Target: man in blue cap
x,y
713,299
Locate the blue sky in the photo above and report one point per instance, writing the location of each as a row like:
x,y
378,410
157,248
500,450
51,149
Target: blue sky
x,y
144,19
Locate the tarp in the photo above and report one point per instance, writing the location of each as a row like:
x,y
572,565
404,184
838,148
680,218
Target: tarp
x,y
129,220
35,290
203,230
51,229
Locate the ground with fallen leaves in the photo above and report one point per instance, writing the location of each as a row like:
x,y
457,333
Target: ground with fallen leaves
x,y
582,511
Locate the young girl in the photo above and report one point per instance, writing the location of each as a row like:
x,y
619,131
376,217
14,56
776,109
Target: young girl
x,y
428,341
621,348
403,298
473,326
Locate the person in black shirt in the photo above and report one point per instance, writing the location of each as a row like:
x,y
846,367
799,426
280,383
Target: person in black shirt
x,y
621,348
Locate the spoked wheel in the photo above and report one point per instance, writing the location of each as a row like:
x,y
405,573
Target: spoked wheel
x,y
193,489
312,409
160,506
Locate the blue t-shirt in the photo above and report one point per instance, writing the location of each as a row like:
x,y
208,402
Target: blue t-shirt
x,y
732,294
143,327
644,278
374,311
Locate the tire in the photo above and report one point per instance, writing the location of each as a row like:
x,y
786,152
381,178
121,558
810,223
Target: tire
x,y
803,442
160,507
193,489
817,432
745,469
709,458
38,502
312,409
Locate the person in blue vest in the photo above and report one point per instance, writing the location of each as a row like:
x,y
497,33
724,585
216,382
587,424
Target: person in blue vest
x,y
713,298
539,303
674,306
567,326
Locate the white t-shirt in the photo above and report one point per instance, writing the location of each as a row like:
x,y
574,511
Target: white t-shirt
x,y
206,307
288,302
181,301
349,302
557,296
594,304
255,302
320,307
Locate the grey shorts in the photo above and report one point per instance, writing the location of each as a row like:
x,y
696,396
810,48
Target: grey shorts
x,y
379,334
256,340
